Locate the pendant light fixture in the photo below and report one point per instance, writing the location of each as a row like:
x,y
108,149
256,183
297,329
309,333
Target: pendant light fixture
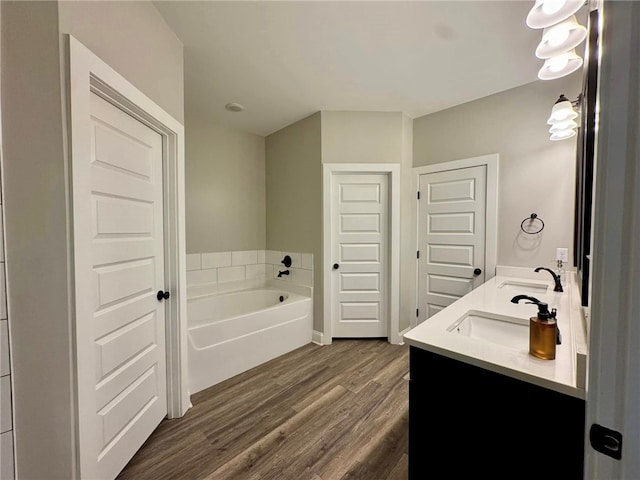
x,y
549,12
561,38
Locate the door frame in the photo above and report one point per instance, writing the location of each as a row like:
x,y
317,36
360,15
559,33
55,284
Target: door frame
x,y
88,73
393,172
492,162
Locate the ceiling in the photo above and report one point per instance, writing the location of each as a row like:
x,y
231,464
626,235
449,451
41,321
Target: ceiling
x,y
286,60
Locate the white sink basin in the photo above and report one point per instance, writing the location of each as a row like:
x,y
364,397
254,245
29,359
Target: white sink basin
x,y
524,287
489,327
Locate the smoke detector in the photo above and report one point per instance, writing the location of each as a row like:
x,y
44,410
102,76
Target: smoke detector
x,y
234,107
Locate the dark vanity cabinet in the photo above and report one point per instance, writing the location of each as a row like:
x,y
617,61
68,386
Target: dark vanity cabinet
x,y
469,422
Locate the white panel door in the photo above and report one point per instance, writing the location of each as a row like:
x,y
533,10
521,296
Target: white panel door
x,y
451,237
359,255
119,266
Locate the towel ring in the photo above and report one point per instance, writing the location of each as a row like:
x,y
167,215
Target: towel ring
x,y
534,224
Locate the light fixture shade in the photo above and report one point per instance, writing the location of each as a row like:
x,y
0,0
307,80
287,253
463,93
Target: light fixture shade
x,y
549,12
561,38
560,66
565,125
562,135
562,111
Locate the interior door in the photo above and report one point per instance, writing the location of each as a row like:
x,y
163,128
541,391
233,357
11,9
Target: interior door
x,y
359,255
451,236
119,267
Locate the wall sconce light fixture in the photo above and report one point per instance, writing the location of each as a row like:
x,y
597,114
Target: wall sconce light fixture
x,y
560,65
561,35
549,12
563,125
561,38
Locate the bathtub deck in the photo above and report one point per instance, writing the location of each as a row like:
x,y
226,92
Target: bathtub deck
x,y
317,413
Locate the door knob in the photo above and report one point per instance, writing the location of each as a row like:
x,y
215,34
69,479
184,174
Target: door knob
x,y
336,266
162,295
477,271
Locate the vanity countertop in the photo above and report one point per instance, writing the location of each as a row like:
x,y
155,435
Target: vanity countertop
x,y
564,374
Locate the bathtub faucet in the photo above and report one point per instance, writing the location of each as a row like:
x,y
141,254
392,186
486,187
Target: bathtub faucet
x,y
283,272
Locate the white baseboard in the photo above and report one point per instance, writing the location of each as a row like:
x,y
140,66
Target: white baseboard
x,y
317,337
402,334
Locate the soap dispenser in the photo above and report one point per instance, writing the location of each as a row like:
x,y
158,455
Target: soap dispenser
x,y
543,329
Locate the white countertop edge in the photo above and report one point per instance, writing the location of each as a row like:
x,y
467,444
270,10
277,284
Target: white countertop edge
x,y
519,375
511,362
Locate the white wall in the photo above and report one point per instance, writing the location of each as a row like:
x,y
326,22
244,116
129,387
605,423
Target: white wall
x,y
535,176
225,188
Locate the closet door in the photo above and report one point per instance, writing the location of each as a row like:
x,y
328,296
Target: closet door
x,y
451,237
119,268
360,255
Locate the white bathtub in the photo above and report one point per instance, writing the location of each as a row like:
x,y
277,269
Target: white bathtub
x,y
232,332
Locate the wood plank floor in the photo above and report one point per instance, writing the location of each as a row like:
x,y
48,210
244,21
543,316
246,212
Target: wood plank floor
x,y
318,413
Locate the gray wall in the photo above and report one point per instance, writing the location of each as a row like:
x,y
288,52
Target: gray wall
x,y
361,137
35,193
294,196
6,409
378,137
295,156
536,175
35,168
133,38
225,188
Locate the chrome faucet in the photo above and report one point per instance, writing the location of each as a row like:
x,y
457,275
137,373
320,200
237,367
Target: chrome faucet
x,y
556,278
283,272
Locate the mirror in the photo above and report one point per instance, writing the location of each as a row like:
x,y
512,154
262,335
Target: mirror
x,y
585,149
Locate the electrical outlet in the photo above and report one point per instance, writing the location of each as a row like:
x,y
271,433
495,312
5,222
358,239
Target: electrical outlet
x,y
562,254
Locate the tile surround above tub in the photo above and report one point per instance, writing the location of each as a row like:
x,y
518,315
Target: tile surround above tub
x,y
248,257
222,267
4,348
194,261
6,456
216,259
5,404
232,274
259,270
272,257
307,261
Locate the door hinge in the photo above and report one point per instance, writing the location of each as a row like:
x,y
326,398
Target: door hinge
x,y
418,254
418,195
417,312
606,441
